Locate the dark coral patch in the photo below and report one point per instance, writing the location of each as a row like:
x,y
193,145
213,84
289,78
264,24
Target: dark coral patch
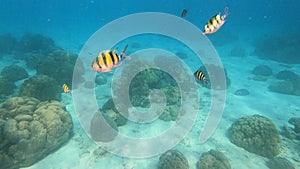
x,y
256,134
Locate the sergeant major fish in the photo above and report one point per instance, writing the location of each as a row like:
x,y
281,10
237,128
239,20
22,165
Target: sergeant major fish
x,y
216,22
200,76
107,60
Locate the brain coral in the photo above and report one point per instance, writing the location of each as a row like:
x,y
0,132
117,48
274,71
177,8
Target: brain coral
x,y
256,134
41,87
213,160
173,159
30,130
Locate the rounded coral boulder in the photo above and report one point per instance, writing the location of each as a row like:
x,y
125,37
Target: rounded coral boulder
x,y
256,134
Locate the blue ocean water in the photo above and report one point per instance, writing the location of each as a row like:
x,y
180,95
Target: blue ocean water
x,y
257,46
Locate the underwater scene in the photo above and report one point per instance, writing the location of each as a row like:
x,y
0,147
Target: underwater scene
x,y
169,84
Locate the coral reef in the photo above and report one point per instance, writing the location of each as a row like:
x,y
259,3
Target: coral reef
x,y
242,92
103,128
173,159
35,42
280,163
14,73
110,110
41,87
256,134
170,113
149,79
281,48
262,70
6,87
288,83
7,44
58,64
213,160
30,130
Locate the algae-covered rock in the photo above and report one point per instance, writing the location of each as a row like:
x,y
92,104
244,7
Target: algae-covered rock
x,y
149,79
213,160
242,92
173,159
110,110
59,65
41,87
14,73
103,128
288,83
170,113
288,75
280,163
256,134
262,70
296,122
35,42
285,87
30,130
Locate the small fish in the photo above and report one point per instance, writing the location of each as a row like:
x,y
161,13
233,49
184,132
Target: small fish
x,y
216,22
200,76
107,60
66,88
183,13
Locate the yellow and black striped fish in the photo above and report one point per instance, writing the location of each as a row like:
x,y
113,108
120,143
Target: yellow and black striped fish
x,y
200,76
66,88
107,60
216,22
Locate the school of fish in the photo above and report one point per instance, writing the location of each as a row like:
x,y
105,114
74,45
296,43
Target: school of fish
x,y
109,59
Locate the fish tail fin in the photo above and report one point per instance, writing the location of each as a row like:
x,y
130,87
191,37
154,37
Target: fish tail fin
x,y
124,50
226,13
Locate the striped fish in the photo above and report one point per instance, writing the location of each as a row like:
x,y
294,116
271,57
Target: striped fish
x,y
216,22
66,88
107,60
200,76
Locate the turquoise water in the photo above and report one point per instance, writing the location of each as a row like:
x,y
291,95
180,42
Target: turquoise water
x,y
45,44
